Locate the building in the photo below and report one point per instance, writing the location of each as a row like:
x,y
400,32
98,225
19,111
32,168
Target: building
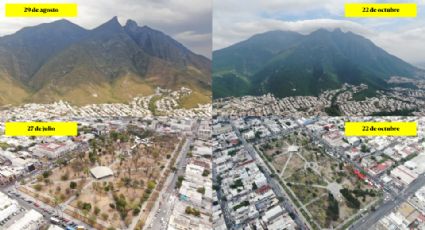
x,y
404,175
32,220
54,227
53,150
7,206
101,172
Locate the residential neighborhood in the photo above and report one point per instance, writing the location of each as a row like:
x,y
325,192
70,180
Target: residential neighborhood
x,y
349,100
311,174
115,174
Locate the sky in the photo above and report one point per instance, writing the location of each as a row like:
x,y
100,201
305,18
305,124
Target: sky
x,y
403,37
187,21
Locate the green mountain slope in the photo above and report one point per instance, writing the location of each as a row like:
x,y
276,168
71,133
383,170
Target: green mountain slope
x,y
303,64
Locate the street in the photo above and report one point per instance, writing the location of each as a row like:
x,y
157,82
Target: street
x,y
291,208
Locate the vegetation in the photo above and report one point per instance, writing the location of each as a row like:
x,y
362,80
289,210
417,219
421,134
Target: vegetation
x,y
232,153
72,185
65,176
404,112
201,190
46,174
364,148
136,211
352,202
152,104
240,205
121,205
332,211
236,184
84,206
179,181
4,145
192,211
96,210
38,187
205,173
333,110
151,185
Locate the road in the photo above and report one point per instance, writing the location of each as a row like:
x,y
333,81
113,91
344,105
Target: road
x,y
22,199
338,152
159,216
299,220
388,206
384,208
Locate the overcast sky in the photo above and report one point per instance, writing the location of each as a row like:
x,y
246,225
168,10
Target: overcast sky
x,y
403,37
188,21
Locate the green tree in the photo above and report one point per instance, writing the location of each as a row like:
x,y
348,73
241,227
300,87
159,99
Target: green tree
x,y
72,185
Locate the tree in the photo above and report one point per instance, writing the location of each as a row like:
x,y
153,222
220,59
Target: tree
x,y
47,173
105,216
72,185
258,134
205,173
136,211
364,148
93,156
179,181
127,182
332,212
38,187
151,185
192,211
121,205
201,190
96,210
352,202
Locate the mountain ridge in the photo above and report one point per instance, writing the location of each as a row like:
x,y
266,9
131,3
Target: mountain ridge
x,y
291,64
66,61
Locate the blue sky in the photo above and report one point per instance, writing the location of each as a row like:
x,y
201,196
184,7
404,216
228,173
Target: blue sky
x,y
237,20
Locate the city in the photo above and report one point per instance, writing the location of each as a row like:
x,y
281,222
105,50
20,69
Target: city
x,y
120,172
349,100
275,171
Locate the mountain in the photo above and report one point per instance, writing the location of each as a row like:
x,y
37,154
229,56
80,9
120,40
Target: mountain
x,y
289,64
111,63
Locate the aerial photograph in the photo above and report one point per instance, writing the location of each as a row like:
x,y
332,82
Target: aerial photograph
x,y
286,77
136,77
280,57
284,172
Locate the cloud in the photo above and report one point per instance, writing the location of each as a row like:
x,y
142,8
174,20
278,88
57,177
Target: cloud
x,y
173,17
196,40
240,31
401,37
406,44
